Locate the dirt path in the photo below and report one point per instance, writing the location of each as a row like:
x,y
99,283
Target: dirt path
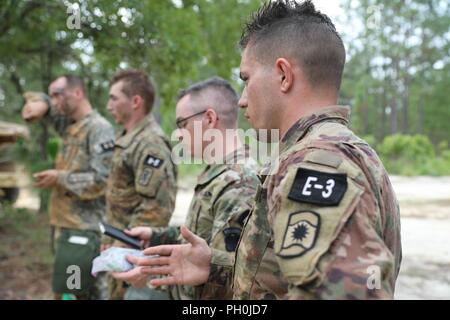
x,y
425,211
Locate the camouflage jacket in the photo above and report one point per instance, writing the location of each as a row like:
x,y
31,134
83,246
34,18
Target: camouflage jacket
x,y
222,200
143,182
83,160
326,223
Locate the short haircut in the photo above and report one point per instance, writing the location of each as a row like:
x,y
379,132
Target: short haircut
x,y
217,94
285,28
136,82
75,82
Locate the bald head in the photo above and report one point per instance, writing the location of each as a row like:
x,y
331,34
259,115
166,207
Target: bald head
x,y
217,94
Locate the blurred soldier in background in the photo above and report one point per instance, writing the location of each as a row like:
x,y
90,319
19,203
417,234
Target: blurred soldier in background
x,y
225,189
78,182
143,182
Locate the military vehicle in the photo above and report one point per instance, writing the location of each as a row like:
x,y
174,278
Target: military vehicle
x,y
9,179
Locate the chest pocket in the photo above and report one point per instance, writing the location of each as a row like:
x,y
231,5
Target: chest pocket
x,y
73,156
121,178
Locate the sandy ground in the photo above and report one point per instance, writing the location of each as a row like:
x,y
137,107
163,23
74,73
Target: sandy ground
x,y
425,211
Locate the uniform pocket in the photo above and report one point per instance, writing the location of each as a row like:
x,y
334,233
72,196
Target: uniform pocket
x,y
75,250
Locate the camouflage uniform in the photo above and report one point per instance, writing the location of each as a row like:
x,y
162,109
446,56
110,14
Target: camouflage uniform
x,y
142,186
77,202
326,223
222,200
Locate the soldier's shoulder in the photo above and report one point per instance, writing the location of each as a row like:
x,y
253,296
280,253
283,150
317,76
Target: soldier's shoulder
x,y
98,122
243,169
330,143
333,154
151,134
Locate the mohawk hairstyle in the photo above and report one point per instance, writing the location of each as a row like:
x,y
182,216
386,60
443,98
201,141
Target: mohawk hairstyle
x,y
298,30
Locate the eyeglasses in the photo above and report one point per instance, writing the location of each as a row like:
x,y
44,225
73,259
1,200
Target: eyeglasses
x,y
57,92
181,122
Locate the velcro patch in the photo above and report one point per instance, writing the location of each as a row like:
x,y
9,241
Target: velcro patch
x,y
232,236
300,234
321,188
81,178
153,161
145,177
106,146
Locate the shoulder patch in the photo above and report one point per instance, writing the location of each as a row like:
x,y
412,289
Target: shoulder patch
x,y
105,146
321,188
153,161
300,234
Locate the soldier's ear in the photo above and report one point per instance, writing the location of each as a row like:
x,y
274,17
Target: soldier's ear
x,y
137,102
285,74
78,93
211,118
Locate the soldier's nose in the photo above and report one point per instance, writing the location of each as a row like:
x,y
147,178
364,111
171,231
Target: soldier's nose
x,y
242,102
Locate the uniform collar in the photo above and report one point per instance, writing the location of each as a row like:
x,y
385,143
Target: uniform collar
x,y
80,124
125,138
301,127
212,171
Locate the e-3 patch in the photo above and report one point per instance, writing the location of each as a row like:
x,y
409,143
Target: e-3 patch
x,y
153,161
145,177
300,234
321,188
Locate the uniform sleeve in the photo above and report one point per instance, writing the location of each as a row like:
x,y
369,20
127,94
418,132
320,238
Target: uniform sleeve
x,y
91,184
326,237
155,183
231,210
165,235
220,278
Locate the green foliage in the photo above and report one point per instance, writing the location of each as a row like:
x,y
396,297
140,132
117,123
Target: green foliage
x,y
14,218
371,140
396,78
53,147
397,75
413,155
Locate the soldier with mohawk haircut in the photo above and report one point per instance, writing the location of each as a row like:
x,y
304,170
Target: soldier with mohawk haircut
x,y
326,222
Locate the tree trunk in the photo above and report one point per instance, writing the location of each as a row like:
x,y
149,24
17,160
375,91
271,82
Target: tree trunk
x,y
382,130
394,118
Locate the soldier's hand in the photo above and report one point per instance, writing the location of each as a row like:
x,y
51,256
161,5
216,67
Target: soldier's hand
x,y
46,179
35,107
105,246
134,277
180,264
142,233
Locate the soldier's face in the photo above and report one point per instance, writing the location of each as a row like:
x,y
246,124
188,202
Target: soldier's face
x,y
62,97
258,98
186,133
119,105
